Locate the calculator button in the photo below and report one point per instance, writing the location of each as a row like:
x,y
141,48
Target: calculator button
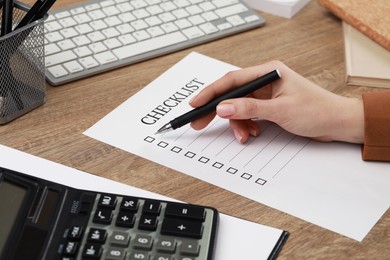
x,y
102,216
67,258
129,204
151,207
75,233
87,200
166,245
183,228
125,219
114,253
137,255
189,248
70,248
107,201
120,239
148,223
143,242
185,211
92,251
85,208
97,235
163,257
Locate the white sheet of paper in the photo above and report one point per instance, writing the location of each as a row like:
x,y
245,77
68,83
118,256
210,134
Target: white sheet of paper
x,y
324,183
236,239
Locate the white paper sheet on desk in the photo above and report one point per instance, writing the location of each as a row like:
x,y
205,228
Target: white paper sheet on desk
x,y
236,239
324,183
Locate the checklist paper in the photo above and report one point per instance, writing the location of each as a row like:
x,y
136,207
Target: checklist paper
x,y
324,183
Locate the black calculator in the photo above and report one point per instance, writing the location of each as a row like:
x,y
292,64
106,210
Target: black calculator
x,y
41,219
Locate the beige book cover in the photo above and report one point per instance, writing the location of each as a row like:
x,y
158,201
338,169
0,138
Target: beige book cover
x,y
367,63
370,17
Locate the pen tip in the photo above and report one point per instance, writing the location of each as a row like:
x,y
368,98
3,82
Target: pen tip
x,y
165,128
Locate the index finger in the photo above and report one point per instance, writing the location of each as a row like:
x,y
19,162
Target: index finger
x,y
230,80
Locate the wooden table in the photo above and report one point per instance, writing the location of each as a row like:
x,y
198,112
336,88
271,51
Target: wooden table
x,y
311,43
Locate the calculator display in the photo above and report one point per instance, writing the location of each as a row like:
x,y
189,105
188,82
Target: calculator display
x,y
11,199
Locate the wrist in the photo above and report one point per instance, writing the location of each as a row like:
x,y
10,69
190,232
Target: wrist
x,y
350,122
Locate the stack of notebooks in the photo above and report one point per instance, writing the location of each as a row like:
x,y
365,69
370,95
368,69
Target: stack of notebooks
x,y
366,27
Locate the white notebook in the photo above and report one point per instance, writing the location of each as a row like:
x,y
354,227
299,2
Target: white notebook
x,y
367,63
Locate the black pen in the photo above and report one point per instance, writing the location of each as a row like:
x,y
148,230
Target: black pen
x,y
211,106
6,19
36,12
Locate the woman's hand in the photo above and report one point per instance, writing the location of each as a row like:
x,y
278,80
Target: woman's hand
x,y
293,102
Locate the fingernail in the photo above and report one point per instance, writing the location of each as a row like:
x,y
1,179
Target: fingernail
x,y
238,135
192,99
253,131
225,110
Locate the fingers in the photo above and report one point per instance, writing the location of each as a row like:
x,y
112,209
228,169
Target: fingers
x,y
246,108
232,80
202,122
243,129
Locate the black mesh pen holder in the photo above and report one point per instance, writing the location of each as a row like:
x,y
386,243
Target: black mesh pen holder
x,y
22,67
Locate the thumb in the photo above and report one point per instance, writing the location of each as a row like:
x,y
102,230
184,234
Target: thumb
x,y
245,108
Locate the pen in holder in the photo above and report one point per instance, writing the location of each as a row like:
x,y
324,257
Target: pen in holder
x,y
22,67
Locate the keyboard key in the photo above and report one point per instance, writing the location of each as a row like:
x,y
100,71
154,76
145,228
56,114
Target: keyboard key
x,y
97,47
59,58
231,10
54,37
82,51
58,71
149,45
193,32
105,57
81,40
208,28
112,43
88,62
52,26
51,49
66,44
235,20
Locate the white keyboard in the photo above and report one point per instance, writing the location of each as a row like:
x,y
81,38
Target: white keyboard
x,y
98,36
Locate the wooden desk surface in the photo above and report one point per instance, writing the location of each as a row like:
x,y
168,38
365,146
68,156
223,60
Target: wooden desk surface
x,y
310,43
